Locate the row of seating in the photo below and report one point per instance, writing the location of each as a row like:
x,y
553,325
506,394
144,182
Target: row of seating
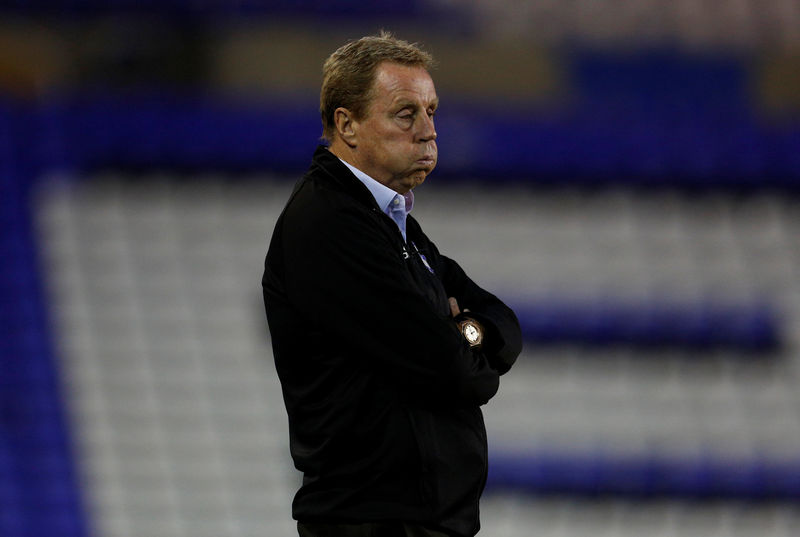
x,y
707,23
753,327
704,145
647,477
692,23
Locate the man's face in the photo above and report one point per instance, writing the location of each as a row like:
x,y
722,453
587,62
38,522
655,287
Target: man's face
x,y
396,140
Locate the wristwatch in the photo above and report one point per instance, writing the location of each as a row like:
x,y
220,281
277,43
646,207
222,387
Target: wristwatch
x,y
472,332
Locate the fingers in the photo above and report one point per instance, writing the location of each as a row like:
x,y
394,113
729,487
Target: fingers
x,y
454,310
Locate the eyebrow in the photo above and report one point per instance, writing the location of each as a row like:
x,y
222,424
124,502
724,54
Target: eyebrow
x,y
412,104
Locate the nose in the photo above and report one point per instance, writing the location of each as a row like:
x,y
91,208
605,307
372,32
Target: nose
x,y
427,132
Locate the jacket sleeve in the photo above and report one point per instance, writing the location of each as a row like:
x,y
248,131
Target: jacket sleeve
x,y
349,279
503,337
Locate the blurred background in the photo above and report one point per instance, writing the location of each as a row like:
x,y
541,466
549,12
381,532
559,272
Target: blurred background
x,y
625,174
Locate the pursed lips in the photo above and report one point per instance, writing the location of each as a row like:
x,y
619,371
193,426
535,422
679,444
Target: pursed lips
x,y
427,159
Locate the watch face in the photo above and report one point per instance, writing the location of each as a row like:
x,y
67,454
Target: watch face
x,y
471,333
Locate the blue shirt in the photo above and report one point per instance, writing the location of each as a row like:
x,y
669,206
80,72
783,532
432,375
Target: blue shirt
x,y
396,206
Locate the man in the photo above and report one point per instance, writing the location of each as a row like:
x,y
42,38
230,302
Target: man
x,y
382,374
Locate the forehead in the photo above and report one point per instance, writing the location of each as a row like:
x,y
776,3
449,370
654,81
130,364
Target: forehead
x,y
395,82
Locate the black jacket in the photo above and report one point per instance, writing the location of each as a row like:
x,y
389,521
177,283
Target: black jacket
x,y
381,389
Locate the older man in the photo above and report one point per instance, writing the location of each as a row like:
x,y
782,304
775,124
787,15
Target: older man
x,y
382,373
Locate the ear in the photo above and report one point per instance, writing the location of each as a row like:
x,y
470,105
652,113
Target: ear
x,y
343,119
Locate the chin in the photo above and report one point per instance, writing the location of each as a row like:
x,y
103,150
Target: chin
x,y
414,179
418,180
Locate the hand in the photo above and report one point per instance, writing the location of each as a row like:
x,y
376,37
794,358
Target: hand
x,y
454,310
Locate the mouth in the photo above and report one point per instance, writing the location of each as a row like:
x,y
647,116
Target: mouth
x,y
427,161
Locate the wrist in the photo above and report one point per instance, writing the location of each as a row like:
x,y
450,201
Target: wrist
x,y
471,330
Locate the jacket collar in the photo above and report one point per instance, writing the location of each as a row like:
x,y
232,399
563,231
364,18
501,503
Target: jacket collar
x,y
327,164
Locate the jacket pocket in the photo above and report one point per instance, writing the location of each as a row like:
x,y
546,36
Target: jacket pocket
x,y
427,489
453,454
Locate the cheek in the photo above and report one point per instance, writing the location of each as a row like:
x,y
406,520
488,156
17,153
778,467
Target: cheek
x,y
392,146
396,147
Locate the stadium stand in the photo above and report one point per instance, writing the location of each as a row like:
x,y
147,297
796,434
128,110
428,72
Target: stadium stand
x,y
182,426
635,195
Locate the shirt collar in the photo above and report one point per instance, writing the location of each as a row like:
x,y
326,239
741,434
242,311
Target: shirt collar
x,y
383,194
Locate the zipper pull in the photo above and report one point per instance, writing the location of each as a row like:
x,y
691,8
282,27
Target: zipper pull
x,y
422,256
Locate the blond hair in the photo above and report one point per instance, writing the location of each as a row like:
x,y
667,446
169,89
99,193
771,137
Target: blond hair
x,y
348,74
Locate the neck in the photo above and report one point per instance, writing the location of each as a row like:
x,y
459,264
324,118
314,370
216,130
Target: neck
x,y
343,151
348,154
